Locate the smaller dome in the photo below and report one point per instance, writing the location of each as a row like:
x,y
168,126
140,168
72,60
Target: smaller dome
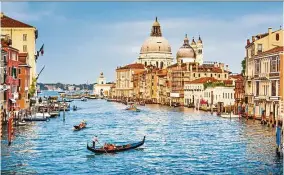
x,y
185,51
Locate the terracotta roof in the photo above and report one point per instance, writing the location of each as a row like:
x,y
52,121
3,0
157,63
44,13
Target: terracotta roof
x,y
10,22
228,82
274,50
203,80
133,66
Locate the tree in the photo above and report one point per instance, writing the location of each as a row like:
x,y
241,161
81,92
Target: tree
x,y
244,66
32,88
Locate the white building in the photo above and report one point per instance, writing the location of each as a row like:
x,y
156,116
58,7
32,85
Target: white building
x,y
102,88
195,91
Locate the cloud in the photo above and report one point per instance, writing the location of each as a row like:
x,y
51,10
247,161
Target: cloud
x,y
23,11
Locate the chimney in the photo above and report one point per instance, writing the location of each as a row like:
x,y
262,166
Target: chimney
x,y
248,41
269,30
2,14
227,67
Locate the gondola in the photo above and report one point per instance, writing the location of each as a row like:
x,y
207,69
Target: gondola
x,y
79,127
117,148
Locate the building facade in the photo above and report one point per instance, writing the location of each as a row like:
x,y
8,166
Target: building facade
x,y
24,81
23,38
101,88
11,76
262,83
124,80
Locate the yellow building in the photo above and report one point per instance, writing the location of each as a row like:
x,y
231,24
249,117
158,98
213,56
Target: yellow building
x,y
151,93
23,38
263,72
124,80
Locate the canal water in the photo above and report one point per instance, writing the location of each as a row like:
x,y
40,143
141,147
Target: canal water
x,y
178,141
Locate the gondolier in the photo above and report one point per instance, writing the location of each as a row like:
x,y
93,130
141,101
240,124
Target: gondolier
x,y
95,139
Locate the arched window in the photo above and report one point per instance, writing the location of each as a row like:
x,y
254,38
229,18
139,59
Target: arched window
x,y
145,64
159,48
277,36
157,64
162,65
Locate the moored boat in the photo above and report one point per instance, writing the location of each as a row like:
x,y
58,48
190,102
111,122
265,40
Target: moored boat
x,y
114,148
83,99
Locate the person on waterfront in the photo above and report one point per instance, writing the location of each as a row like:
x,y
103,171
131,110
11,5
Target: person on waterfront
x,y
95,139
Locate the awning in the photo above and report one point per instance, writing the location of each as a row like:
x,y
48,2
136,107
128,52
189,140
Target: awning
x,y
13,100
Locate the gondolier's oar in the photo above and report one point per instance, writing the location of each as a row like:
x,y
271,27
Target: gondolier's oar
x,y
102,146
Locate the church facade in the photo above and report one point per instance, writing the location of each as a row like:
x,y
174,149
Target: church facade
x,y
101,88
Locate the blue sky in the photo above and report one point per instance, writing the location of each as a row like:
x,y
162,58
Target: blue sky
x,y
83,39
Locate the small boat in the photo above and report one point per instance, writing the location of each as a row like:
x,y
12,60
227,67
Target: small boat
x,y
42,114
30,119
80,126
92,97
132,107
22,123
74,108
84,99
116,148
54,114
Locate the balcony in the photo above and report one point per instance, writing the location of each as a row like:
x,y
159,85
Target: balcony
x,y
264,75
274,74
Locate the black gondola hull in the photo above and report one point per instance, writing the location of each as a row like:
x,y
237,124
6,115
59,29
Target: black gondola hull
x,y
124,148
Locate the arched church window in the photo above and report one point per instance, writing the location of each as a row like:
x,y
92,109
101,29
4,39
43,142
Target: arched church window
x,y
162,65
157,64
159,48
145,64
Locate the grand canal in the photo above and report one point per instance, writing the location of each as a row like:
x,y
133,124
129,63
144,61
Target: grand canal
x,y
178,141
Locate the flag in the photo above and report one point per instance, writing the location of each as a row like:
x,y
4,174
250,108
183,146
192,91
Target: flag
x,y
41,50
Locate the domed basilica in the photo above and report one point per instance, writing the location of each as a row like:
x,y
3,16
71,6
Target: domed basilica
x,y
156,50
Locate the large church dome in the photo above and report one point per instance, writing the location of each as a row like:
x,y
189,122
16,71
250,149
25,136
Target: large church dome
x,y
156,43
156,50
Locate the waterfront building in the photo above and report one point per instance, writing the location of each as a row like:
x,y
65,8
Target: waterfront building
x,y
262,74
3,63
151,93
162,89
71,88
23,38
101,88
180,74
124,80
156,50
112,91
210,90
11,76
24,81
238,81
